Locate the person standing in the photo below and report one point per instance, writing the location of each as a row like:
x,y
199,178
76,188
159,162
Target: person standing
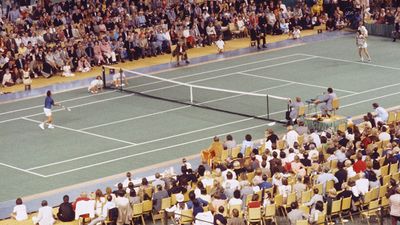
x,y
361,41
48,104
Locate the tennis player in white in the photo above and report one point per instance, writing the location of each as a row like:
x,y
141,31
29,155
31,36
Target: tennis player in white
x,y
361,41
48,104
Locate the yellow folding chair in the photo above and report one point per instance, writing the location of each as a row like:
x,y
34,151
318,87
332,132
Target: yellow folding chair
x,y
373,210
301,222
254,215
346,207
137,212
270,213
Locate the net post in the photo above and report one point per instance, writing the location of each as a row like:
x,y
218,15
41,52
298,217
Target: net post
x,y
103,71
267,106
191,94
120,79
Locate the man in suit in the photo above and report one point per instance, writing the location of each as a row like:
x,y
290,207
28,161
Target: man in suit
x,y
180,52
20,62
68,32
158,196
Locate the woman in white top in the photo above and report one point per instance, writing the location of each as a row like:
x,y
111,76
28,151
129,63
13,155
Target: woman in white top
x,y
45,215
285,189
19,213
361,41
7,79
315,212
26,77
100,200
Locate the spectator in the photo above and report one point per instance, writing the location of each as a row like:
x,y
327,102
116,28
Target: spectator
x,y
19,212
315,212
381,114
45,215
247,143
230,142
109,210
235,219
158,196
394,201
65,212
296,214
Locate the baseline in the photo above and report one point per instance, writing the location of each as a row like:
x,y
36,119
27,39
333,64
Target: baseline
x,y
355,62
22,170
299,83
83,132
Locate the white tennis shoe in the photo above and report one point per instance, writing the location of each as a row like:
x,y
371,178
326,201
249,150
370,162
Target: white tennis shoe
x,y
51,126
41,126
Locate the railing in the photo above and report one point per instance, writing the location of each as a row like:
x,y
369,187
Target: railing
x,y
384,30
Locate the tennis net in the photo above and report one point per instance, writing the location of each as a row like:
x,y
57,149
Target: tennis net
x,y
254,104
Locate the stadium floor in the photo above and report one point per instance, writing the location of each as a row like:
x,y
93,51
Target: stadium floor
x,y
113,132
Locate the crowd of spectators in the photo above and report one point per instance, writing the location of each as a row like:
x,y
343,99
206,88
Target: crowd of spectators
x,y
73,36
354,163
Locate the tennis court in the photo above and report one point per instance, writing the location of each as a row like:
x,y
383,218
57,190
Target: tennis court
x,y
113,132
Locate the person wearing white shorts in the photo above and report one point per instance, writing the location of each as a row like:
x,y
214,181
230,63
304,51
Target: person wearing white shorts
x,y
48,104
361,42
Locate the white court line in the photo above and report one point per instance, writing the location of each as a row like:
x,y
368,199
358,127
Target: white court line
x,y
179,108
71,107
355,62
22,170
236,72
156,140
151,151
63,101
83,132
197,140
211,71
300,83
175,78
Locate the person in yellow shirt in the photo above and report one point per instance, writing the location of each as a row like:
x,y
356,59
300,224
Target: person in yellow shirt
x,y
214,151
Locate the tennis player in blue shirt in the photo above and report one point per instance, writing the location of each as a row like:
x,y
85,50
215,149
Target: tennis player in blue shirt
x,y
48,104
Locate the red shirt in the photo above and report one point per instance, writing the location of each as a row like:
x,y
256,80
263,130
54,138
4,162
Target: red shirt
x,y
359,166
255,204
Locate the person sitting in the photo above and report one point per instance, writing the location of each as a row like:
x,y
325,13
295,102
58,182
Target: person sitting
x,y
381,113
19,212
296,214
326,101
180,52
7,79
220,45
65,212
109,210
45,215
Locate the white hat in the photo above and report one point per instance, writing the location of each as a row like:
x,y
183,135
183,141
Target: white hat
x,y
180,197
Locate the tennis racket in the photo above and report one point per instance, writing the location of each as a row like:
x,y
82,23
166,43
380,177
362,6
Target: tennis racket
x,y
66,108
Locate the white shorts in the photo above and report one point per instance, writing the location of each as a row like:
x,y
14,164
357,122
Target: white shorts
x,y
365,45
47,111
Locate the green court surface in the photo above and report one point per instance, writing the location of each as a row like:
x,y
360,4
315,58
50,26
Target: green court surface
x,y
113,132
